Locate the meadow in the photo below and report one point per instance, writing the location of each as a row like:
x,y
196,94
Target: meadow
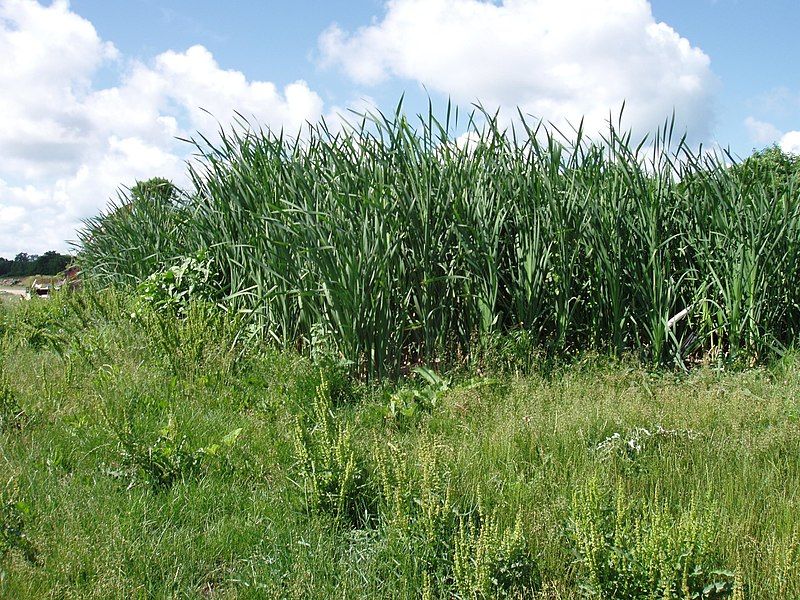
x,y
430,358
150,458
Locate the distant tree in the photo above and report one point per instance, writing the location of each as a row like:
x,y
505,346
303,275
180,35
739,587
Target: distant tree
x,y
50,263
770,165
24,264
770,169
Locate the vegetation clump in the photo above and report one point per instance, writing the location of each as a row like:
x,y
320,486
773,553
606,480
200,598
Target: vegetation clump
x,y
649,554
406,246
333,477
12,526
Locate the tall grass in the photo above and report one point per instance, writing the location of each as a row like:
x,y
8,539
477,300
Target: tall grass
x,y
401,242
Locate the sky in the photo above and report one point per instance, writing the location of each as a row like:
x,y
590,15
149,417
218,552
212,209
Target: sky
x,y
97,94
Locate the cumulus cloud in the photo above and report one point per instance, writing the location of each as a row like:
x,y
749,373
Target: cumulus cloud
x,y
790,142
761,132
555,59
764,133
68,146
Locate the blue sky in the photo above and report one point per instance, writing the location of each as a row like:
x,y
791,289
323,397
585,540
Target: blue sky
x,y
96,91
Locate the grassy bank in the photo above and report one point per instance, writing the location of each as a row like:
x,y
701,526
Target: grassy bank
x,y
151,457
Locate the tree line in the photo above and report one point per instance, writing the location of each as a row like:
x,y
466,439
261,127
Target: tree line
x,y
23,264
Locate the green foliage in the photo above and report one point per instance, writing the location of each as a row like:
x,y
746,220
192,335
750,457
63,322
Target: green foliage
x,y
167,460
326,460
785,558
205,336
648,553
471,501
434,543
492,562
12,415
408,404
172,290
41,323
139,234
23,265
405,246
417,511
771,165
13,512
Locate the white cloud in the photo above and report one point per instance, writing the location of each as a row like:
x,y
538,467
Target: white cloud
x,y
761,132
47,56
68,146
790,142
764,133
555,59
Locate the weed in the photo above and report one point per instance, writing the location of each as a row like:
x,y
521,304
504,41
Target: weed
x,y
12,524
418,513
408,404
172,290
203,340
492,562
43,324
650,553
633,443
12,415
167,460
325,456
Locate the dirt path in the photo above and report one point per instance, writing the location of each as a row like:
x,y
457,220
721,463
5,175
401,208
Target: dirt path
x,y
15,291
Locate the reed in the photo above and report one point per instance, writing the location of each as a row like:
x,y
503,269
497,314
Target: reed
x,y
403,244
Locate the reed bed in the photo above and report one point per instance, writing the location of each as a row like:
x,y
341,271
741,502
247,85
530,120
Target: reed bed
x,y
399,241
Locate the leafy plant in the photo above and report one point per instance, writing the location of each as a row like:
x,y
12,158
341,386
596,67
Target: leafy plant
x,y
490,561
409,403
205,338
172,290
139,233
648,553
326,460
12,524
417,513
168,459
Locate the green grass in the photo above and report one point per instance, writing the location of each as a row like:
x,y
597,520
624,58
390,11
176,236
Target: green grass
x,y
124,475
